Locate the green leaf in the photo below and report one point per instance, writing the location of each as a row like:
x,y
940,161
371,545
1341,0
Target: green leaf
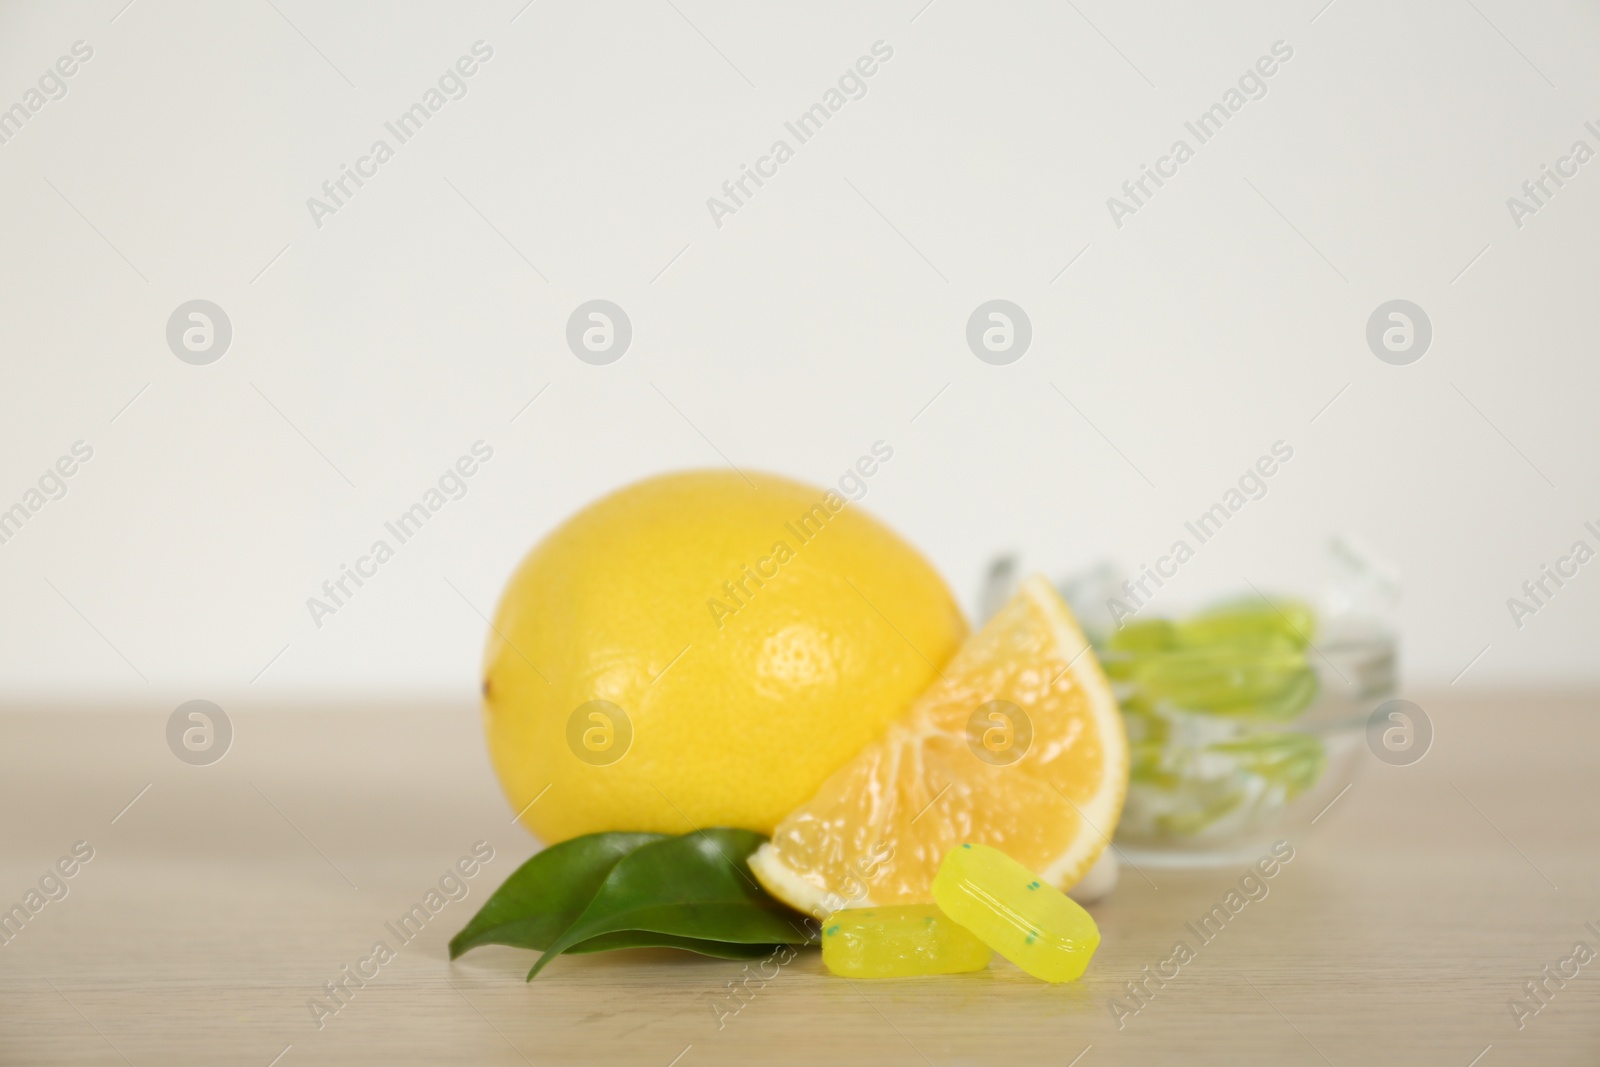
x,y
722,950
541,898
636,890
695,886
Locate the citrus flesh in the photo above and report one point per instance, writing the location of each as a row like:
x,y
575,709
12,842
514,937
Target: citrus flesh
x,y
1017,744
747,633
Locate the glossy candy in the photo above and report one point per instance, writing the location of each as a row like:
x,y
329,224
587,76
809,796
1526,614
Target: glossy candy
x,y
1244,659
899,942
1250,622
1011,910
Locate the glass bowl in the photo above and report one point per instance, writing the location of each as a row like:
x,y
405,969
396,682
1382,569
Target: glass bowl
x,y
1245,718
1209,789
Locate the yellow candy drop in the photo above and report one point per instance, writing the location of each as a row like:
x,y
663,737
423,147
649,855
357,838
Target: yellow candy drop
x,y
898,942
1011,910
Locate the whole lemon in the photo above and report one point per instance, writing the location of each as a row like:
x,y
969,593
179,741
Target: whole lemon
x,y
703,649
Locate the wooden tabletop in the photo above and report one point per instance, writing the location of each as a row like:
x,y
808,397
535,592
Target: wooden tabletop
x,y
220,899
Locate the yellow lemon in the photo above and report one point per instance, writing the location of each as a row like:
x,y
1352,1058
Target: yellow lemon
x,y
704,649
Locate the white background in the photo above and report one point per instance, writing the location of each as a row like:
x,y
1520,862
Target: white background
x,y
371,352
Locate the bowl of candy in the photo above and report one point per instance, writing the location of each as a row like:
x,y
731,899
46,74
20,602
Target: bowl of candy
x,y
1245,716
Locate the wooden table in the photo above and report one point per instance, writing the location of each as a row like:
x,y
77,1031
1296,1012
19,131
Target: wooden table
x,y
222,898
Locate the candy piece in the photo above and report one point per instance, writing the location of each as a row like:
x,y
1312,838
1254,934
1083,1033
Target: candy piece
x,y
1252,622
1245,660
1277,682
1012,911
898,942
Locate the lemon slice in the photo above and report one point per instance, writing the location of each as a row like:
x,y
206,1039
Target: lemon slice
x,y
1017,745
